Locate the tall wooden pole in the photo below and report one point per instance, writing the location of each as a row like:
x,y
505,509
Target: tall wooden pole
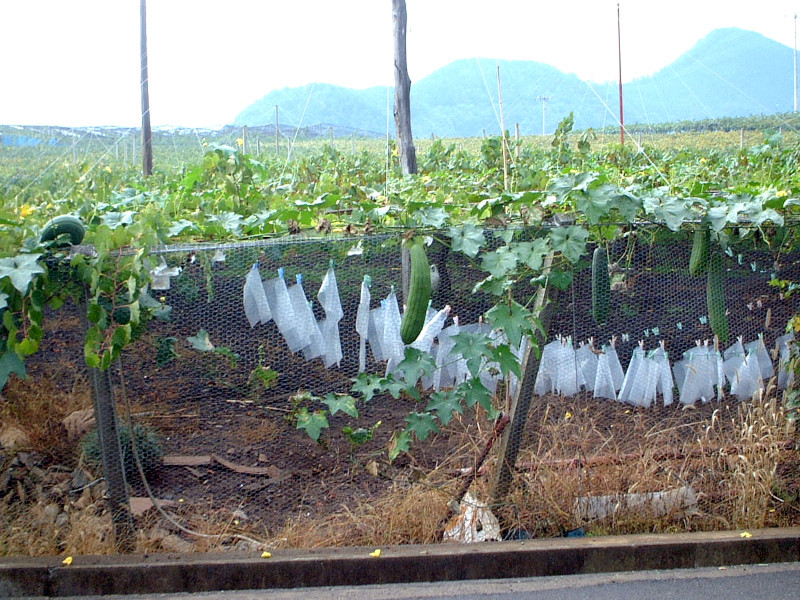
x,y
147,134
402,90
621,112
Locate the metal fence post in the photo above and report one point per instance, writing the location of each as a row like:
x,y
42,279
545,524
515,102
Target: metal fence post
x,y
111,452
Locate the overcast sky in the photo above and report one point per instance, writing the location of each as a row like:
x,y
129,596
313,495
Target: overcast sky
x,y
76,62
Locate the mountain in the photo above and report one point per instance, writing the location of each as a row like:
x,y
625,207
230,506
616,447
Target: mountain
x,y
729,73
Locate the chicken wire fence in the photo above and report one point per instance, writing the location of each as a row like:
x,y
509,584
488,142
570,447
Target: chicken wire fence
x,y
643,414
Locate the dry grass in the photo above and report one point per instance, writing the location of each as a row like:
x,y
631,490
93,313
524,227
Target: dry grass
x,y
738,459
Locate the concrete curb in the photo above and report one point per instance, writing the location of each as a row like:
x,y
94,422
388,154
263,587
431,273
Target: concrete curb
x,y
176,573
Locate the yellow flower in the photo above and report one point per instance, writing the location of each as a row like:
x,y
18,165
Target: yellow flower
x,y
108,169
26,210
746,534
568,416
240,142
782,194
266,554
376,553
67,561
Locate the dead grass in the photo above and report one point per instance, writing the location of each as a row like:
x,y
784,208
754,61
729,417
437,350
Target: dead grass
x,y
737,458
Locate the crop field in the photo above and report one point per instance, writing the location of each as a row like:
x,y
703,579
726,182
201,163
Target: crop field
x,y
251,312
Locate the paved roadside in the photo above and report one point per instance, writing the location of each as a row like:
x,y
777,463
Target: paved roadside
x,y
776,581
188,573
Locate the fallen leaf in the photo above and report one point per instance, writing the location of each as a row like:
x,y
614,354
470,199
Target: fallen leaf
x,y
67,561
746,534
376,553
266,554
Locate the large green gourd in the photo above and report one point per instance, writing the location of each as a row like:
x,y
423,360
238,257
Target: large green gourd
x,y
698,261
419,294
67,225
715,292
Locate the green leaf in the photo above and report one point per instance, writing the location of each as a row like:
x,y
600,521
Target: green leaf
x,y
416,364
499,262
473,347
569,241
468,239
229,221
341,402
532,253
513,318
400,442
201,341
421,425
21,270
367,385
118,219
178,227
312,423
673,211
504,357
434,216
10,363
444,403
474,392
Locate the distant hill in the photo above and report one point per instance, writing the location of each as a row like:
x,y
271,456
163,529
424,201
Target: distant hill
x,y
729,73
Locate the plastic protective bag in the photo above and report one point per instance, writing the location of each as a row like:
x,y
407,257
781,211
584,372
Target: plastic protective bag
x,y
586,358
698,373
283,311
617,374
566,368
446,363
626,392
362,323
762,354
604,381
733,358
161,275
375,336
783,350
547,375
392,343
665,382
328,297
747,380
256,306
306,324
431,330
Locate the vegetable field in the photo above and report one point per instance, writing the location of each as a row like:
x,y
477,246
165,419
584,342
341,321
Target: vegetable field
x,y
306,348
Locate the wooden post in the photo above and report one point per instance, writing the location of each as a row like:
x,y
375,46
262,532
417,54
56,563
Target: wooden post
x,y
147,134
402,90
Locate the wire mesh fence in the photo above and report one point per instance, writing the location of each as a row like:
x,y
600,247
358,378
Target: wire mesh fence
x,y
644,423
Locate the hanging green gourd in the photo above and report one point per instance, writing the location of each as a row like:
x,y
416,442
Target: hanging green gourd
x,y
601,286
419,294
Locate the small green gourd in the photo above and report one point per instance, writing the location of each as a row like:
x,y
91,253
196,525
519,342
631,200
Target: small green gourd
x,y
601,286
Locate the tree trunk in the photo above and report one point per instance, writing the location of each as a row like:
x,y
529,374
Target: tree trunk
x,y
402,90
147,134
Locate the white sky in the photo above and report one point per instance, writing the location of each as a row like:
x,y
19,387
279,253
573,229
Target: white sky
x,y
76,62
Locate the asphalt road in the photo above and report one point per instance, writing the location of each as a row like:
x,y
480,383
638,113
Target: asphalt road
x,y
777,581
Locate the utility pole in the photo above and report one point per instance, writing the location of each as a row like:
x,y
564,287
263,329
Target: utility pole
x,y
544,100
795,64
277,132
621,112
147,133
